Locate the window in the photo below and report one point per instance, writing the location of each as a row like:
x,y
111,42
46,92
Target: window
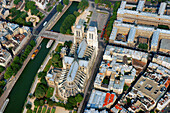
x,y
90,35
77,33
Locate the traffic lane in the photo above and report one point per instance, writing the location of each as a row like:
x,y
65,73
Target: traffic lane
x,y
46,19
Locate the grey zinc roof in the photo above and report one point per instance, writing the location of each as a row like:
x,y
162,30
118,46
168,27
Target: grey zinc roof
x,y
155,38
123,4
82,48
78,26
140,5
131,35
113,33
83,63
165,44
162,8
68,60
72,72
91,28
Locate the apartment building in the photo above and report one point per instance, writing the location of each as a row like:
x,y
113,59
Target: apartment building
x,y
5,57
119,67
134,35
14,37
41,3
144,15
99,99
79,62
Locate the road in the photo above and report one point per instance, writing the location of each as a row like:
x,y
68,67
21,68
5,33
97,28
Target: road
x,y
90,82
57,36
47,18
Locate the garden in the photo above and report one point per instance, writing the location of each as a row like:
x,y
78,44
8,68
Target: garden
x,y
19,17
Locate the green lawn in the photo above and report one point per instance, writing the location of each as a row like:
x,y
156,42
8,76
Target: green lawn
x,y
49,92
47,67
53,110
44,109
39,109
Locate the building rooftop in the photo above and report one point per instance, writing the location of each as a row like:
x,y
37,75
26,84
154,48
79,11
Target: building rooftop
x,y
165,44
72,72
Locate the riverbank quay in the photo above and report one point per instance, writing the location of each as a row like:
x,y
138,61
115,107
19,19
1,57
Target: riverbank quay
x,y
36,80
14,79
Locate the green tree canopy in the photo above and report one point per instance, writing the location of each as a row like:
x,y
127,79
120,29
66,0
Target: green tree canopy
x,y
42,102
78,98
32,43
16,1
37,102
76,13
66,2
28,106
50,103
72,101
83,4
67,23
59,7
30,5
8,73
40,91
2,69
41,74
2,83
69,106
43,81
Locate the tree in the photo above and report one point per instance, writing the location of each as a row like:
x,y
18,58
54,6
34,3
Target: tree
x,y
28,106
96,1
69,106
41,74
66,2
76,13
59,7
29,111
83,4
43,81
20,21
39,92
30,5
16,2
2,83
72,101
55,58
32,43
42,102
68,31
50,103
8,73
1,69
37,102
78,98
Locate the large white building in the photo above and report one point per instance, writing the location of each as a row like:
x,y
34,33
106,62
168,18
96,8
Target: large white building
x,y
78,63
5,57
14,37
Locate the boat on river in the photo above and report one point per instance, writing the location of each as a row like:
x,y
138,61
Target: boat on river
x,y
49,43
35,52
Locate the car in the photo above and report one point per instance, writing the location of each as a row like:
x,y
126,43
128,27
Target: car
x,y
45,23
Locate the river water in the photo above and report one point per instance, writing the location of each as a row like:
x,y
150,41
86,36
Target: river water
x,y
18,95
